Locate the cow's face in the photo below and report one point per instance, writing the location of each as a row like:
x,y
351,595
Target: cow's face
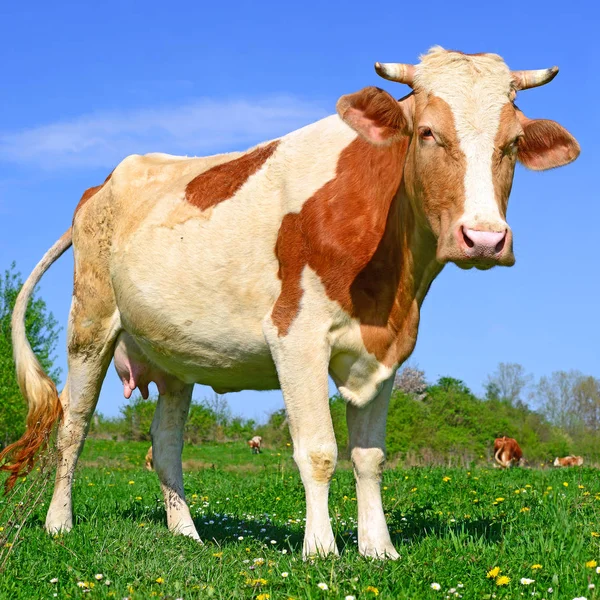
x,y
466,137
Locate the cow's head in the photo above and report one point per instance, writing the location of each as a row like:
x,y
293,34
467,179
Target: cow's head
x,y
466,137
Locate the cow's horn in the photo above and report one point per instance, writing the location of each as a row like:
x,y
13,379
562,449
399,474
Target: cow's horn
x,y
400,72
529,79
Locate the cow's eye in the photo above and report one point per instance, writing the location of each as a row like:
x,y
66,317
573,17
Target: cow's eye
x,y
425,133
513,146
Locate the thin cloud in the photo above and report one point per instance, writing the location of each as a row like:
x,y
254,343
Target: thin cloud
x,y
200,127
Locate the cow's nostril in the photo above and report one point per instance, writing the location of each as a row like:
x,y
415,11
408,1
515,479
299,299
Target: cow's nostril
x,y
500,245
468,241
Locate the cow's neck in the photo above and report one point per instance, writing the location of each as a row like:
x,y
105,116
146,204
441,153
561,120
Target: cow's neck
x,y
389,290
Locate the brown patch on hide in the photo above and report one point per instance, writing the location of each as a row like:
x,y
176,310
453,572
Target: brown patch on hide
x,y
225,180
89,193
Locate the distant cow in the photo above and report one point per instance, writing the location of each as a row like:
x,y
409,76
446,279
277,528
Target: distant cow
x,y
568,461
507,452
255,443
149,461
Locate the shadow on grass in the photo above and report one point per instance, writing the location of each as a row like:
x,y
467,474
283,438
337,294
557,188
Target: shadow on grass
x,y
224,531
416,527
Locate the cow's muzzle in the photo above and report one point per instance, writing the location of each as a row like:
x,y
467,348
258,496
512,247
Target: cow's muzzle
x,y
477,246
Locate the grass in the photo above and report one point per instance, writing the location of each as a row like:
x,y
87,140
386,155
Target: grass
x,y
451,527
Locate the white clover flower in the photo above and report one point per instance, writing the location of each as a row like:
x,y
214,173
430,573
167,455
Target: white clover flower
x,y
436,586
54,580
526,581
350,598
107,582
323,586
550,590
452,590
591,586
285,574
98,576
240,537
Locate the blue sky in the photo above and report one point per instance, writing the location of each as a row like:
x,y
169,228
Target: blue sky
x,y
84,84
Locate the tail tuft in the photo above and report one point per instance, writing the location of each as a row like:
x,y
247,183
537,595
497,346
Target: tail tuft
x,y
37,388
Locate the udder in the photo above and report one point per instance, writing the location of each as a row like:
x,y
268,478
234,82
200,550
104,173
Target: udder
x,y
136,370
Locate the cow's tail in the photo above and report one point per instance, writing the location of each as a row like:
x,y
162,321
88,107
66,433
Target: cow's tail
x,y
39,391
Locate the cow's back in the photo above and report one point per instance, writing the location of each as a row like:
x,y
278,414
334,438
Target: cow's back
x,y
192,249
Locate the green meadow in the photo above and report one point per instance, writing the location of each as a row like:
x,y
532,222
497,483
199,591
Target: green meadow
x,y
480,533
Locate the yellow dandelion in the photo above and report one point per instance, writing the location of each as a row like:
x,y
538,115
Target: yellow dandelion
x,y
263,597
218,554
446,478
503,580
160,580
536,566
591,564
581,487
373,590
525,509
493,573
499,499
595,534
566,483
131,482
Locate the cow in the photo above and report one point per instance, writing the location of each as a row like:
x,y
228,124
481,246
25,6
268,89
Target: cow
x,y
507,452
255,443
149,463
306,256
568,461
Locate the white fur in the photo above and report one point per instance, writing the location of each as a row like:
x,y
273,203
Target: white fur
x,y
476,88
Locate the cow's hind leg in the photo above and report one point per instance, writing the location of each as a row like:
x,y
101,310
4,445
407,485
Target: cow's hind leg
x,y
90,347
366,429
167,445
302,358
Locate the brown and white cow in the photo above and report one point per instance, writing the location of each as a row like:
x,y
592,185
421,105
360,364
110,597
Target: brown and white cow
x,y
305,256
507,452
255,444
568,461
149,461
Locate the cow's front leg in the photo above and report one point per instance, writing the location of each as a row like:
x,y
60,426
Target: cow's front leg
x,y
366,429
301,357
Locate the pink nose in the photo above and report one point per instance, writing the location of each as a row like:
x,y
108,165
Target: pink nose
x,y
483,244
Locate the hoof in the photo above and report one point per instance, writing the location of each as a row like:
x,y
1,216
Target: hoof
x,y
387,552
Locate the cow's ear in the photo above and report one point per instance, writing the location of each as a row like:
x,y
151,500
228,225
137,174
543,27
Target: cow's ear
x,y
376,115
545,144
